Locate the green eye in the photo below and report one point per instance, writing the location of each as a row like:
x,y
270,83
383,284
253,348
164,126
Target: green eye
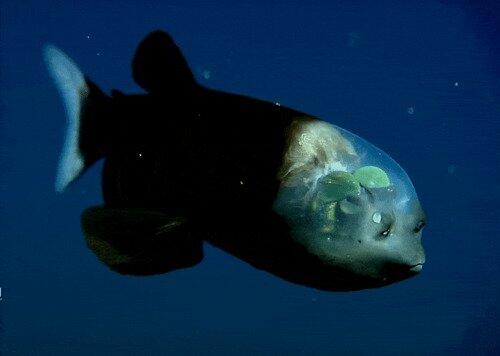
x,y
337,186
372,177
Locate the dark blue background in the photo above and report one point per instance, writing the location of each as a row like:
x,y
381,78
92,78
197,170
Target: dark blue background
x,y
385,70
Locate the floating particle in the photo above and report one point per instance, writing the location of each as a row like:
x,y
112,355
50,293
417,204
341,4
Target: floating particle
x,y
277,103
377,218
411,110
354,39
456,84
206,74
452,169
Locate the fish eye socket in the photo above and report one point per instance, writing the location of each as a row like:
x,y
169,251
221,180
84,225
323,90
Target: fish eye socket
x,y
420,225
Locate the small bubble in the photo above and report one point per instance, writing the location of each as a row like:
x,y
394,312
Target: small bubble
x,y
411,110
98,54
277,103
241,182
88,37
456,84
377,218
452,169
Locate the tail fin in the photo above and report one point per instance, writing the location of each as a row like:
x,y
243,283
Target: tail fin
x,y
82,102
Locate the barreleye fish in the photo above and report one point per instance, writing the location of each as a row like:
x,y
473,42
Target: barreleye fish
x,y
283,190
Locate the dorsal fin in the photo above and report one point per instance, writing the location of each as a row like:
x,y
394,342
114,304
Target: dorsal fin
x,y
159,65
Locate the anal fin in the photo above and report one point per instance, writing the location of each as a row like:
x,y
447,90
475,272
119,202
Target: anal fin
x,y
138,242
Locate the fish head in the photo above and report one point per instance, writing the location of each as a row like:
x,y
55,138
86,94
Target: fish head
x,y
350,205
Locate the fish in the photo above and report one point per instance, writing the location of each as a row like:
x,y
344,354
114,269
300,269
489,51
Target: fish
x,y
184,165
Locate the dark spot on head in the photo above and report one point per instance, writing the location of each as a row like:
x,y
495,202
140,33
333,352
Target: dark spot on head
x,y
359,241
420,225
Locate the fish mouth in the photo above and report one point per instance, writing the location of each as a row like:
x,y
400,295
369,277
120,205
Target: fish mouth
x,y
397,272
417,268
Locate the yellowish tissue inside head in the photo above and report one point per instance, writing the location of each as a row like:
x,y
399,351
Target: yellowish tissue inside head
x,y
314,147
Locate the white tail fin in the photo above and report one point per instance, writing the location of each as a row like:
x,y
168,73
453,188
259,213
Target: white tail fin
x,y
74,90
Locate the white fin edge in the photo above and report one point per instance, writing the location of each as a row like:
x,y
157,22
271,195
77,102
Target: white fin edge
x,y
73,88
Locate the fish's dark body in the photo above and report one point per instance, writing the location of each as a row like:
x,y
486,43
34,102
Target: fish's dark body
x,y
213,158
184,165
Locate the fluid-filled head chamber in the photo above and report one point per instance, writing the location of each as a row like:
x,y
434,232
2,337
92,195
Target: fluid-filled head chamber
x,y
349,204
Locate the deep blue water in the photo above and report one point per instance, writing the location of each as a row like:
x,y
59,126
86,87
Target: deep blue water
x,y
418,79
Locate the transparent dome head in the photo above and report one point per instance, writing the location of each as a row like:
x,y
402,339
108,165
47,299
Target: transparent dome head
x,y
339,192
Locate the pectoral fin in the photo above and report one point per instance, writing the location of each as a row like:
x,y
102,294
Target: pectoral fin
x,y
139,242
